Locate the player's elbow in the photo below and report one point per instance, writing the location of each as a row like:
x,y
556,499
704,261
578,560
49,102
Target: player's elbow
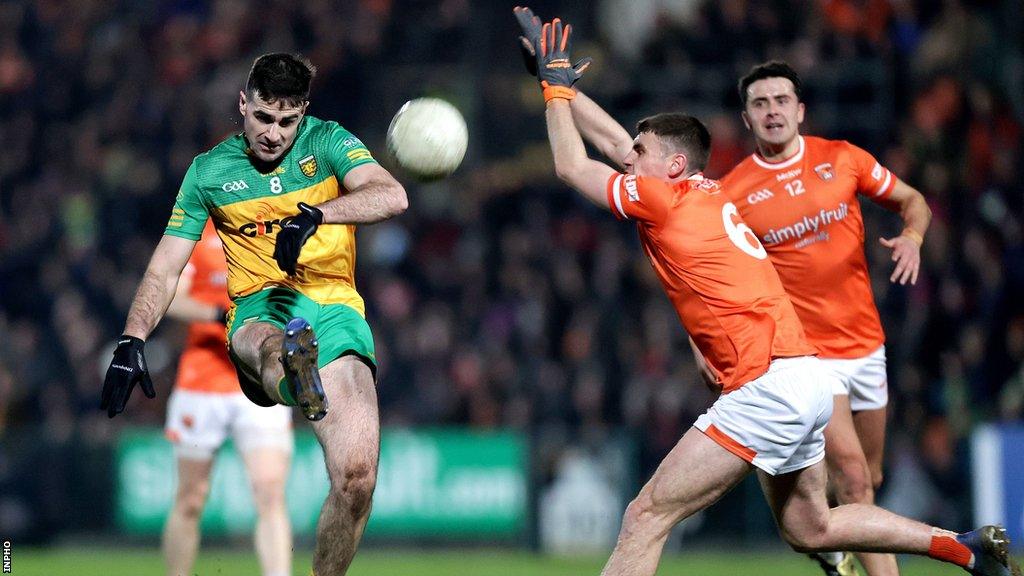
x,y
620,150
925,208
568,172
398,201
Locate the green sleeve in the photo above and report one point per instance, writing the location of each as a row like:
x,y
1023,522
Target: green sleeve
x,y
189,215
344,151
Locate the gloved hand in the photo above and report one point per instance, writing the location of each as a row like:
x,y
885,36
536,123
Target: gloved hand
x,y
554,70
127,369
293,236
531,26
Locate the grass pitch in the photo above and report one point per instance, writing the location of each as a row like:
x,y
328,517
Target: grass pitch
x,y
381,562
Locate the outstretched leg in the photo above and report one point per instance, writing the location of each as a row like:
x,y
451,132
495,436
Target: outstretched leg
x,y
695,474
798,502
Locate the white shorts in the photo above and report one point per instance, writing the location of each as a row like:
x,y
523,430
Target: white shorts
x,y
198,423
863,379
777,421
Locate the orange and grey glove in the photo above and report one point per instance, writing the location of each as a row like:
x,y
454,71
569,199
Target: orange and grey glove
x,y
554,69
531,26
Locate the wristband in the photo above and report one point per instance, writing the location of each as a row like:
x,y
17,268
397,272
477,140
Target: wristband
x,y
552,92
913,235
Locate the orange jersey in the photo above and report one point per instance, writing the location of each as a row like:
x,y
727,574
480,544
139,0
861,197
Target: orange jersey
x,y
205,366
716,274
806,214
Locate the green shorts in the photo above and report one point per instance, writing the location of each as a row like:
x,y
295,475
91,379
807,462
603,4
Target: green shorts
x,y
340,330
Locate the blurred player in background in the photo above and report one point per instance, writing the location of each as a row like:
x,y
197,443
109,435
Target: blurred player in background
x,y
206,407
284,195
799,194
776,396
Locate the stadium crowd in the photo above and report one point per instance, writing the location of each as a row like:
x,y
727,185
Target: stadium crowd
x,y
499,298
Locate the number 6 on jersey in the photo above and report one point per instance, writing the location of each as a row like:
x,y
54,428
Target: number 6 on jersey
x,y
741,234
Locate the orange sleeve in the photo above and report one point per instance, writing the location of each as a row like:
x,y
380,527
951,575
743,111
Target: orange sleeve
x,y
873,180
637,198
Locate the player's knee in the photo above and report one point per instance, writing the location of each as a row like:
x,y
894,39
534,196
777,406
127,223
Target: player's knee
x,y
355,484
191,500
806,537
246,346
876,478
640,516
853,483
800,543
268,494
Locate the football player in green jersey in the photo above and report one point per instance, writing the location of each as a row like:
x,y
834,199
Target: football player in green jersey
x,y
285,196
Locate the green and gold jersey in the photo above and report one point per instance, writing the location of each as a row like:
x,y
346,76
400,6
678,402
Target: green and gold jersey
x,y
248,208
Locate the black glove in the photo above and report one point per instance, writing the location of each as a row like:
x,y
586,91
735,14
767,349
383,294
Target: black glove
x,y
127,369
553,48
531,25
293,236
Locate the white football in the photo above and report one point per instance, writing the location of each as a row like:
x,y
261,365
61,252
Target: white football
x,y
428,137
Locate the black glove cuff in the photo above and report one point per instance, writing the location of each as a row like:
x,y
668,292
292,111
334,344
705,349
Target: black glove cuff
x,y
131,340
313,212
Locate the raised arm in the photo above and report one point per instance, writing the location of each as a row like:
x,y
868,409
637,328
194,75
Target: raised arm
x,y
594,124
557,76
601,130
572,165
906,248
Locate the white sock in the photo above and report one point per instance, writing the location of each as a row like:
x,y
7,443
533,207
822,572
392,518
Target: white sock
x,y
833,558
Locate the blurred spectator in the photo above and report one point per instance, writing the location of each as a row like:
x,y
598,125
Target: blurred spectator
x,y
499,299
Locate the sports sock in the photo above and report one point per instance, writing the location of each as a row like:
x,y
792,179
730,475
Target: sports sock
x,y
285,391
833,558
947,549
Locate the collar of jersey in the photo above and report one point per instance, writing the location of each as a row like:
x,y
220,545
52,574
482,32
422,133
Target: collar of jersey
x,y
784,163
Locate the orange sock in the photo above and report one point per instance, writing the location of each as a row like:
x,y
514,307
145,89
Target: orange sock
x,y
947,549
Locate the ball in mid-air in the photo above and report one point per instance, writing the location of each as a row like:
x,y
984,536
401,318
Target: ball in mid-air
x,y
428,137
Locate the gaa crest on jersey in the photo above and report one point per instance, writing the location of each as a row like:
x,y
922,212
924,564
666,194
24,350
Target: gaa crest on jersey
x,y
825,171
629,182
708,185
308,166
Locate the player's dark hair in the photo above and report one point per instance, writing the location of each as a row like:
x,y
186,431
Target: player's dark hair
x,y
280,76
770,69
681,133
